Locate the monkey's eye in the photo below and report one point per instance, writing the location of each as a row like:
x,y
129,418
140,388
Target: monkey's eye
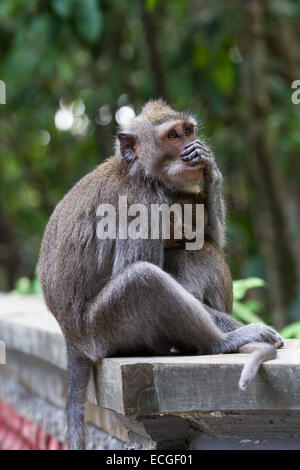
x,y
172,134
188,131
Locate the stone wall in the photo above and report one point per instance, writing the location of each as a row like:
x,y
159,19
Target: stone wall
x,y
176,402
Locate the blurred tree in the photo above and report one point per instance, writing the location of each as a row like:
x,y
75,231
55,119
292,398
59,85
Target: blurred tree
x,y
267,197
75,70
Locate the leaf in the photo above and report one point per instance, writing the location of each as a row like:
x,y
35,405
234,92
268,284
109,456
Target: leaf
x,y
291,331
88,19
62,8
241,286
224,75
244,314
254,305
200,56
150,4
23,286
36,287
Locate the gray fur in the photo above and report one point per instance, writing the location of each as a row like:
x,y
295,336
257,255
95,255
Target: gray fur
x,y
260,352
124,297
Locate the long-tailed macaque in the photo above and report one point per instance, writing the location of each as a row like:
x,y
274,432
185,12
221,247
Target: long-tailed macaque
x,y
123,296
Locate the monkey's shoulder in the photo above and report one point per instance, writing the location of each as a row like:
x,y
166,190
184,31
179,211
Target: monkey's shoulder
x,y
73,221
101,185
105,184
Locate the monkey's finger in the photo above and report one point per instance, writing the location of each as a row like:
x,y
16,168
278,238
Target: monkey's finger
x,y
195,158
193,147
195,161
271,336
200,152
200,158
279,344
199,143
194,152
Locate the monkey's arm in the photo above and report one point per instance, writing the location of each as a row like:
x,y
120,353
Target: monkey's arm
x,y
215,209
223,320
196,153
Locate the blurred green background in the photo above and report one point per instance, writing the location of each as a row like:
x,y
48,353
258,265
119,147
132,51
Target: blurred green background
x,y
76,69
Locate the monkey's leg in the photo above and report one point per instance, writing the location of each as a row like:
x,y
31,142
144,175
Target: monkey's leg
x,y
143,307
205,275
79,368
224,321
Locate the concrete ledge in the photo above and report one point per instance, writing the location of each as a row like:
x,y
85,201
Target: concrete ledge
x,y
27,326
48,417
207,383
2,353
163,402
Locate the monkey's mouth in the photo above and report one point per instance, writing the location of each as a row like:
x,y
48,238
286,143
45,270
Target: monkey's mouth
x,y
193,172
196,167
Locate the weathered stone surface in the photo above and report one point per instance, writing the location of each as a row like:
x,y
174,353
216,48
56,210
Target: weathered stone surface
x,y
206,383
49,417
274,424
47,381
2,353
164,402
213,443
27,326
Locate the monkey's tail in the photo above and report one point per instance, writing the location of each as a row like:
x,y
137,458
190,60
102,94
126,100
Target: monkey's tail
x,y
79,368
260,352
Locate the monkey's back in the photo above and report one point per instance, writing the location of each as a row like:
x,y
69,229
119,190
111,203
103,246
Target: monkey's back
x,y
69,271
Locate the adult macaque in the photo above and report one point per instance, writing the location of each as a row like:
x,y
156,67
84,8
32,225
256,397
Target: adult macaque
x,y
104,293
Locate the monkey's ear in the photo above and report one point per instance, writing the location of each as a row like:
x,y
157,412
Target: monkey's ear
x,y
128,146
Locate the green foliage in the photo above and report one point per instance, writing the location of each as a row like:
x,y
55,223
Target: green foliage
x,y
246,311
150,4
291,331
25,286
89,21
62,8
59,52
241,286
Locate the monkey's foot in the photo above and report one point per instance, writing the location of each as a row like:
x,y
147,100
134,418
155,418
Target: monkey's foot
x,y
255,332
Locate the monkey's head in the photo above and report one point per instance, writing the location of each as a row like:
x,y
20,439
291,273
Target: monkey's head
x,y
152,143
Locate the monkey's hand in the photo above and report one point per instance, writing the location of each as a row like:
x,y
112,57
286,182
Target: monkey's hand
x,y
255,332
196,153
267,334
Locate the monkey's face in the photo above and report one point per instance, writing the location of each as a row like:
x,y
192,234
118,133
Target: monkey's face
x,y
157,149
172,139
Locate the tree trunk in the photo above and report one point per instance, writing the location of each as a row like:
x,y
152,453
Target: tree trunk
x,y
9,256
154,56
267,197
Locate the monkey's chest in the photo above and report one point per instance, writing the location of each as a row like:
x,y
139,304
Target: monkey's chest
x,y
188,222
204,273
